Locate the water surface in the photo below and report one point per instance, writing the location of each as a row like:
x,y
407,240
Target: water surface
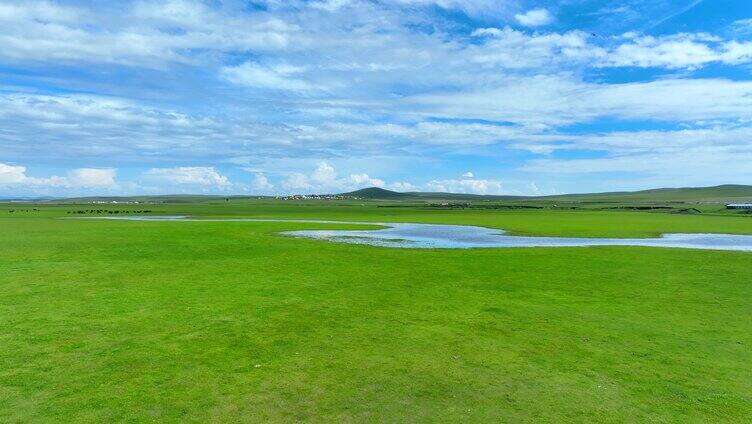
x,y
466,236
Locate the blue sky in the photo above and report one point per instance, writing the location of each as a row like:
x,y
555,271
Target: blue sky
x,y
275,97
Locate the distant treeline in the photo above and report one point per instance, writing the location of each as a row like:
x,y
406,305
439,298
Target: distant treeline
x,y
23,210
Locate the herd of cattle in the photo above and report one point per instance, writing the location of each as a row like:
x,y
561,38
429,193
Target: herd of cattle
x,y
101,211
87,211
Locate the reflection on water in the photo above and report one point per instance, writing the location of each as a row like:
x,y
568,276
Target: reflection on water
x,y
465,236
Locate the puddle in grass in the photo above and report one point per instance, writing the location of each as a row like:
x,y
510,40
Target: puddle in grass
x,y
434,236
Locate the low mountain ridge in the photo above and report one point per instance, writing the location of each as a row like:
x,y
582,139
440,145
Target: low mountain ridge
x,y
376,193
714,194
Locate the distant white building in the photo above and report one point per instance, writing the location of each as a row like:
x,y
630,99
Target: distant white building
x,y
739,206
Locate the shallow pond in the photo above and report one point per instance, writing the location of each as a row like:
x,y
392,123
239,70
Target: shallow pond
x,y
466,236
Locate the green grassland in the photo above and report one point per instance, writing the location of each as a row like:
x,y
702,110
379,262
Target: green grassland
x,y
124,321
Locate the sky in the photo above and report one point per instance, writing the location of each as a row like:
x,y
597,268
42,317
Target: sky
x,y
271,97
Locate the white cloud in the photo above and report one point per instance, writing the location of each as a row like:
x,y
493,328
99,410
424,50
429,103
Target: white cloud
x,y
363,180
90,127
15,175
678,51
475,8
330,5
533,189
696,166
147,34
87,128
512,49
262,183
468,174
296,181
203,177
10,174
92,177
743,26
558,100
357,36
534,17
324,174
324,179
279,77
736,53
469,185
402,186
716,154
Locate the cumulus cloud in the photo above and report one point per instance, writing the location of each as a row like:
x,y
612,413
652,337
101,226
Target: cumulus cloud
x,y
261,183
296,181
534,17
324,179
324,174
468,174
361,180
469,185
10,174
199,176
15,175
402,186
92,177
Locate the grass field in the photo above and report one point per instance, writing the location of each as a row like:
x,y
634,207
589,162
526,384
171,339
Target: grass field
x,y
104,321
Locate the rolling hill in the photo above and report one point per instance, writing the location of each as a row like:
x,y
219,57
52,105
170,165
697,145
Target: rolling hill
x,y
715,194
376,193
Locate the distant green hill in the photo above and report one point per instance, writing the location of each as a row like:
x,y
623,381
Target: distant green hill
x,y
716,194
376,193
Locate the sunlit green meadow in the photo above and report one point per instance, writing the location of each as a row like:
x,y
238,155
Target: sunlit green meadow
x,y
125,321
